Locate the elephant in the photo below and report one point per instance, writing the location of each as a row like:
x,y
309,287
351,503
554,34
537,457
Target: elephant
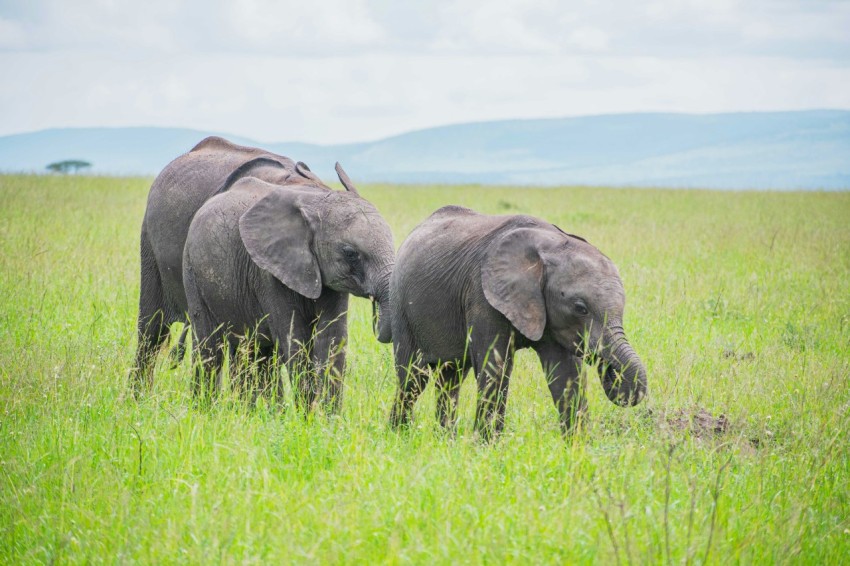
x,y
212,167
279,262
469,289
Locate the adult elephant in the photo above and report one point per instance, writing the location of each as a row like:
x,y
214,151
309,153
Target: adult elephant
x,y
210,168
278,263
469,289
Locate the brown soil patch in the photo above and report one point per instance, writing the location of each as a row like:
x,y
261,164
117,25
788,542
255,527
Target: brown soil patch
x,y
698,422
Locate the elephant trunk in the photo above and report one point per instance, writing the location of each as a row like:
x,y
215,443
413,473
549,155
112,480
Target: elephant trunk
x,y
381,318
624,379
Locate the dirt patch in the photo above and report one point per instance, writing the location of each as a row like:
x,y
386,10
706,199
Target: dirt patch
x,y
698,422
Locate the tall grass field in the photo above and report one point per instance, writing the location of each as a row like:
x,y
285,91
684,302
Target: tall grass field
x,y
737,302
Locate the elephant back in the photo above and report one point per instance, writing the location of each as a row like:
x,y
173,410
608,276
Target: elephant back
x,y
183,187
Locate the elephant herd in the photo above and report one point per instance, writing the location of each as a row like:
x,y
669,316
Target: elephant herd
x,y
243,242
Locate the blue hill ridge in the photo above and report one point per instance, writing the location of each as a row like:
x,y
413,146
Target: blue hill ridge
x,y
770,150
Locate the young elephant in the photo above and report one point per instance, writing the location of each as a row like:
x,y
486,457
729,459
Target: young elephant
x,y
183,186
212,167
278,262
469,289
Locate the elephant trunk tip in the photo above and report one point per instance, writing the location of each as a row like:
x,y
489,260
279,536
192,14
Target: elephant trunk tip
x,y
381,320
624,379
625,388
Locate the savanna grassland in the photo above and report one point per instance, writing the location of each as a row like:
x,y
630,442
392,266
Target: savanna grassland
x,y
738,303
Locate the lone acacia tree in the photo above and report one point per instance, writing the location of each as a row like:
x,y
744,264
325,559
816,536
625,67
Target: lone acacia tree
x,y
68,166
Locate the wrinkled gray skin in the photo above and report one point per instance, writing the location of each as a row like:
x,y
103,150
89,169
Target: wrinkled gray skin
x,y
279,262
469,289
181,189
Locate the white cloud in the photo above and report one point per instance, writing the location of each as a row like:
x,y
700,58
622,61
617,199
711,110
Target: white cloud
x,y
12,34
314,27
509,26
346,71
589,38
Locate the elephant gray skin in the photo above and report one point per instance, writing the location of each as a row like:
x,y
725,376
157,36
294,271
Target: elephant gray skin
x,y
178,192
279,262
469,289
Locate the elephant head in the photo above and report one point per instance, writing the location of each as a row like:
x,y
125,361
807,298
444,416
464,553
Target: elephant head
x,y
547,282
309,239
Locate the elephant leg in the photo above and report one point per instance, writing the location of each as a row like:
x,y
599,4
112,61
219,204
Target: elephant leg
x,y
210,339
269,377
152,331
295,346
244,375
154,319
208,365
566,383
179,350
493,366
448,381
261,373
412,377
303,381
327,356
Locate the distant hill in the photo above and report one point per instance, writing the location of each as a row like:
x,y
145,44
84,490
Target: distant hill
x,y
775,150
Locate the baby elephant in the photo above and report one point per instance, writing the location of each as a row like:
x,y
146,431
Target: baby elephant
x,y
278,262
469,289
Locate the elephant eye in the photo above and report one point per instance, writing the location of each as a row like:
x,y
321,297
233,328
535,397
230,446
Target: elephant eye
x,y
581,308
350,254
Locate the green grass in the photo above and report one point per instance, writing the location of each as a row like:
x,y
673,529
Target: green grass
x,y
738,302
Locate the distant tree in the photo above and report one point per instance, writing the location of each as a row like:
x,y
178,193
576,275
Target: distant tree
x,y
68,166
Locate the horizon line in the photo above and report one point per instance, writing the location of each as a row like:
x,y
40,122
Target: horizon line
x,y
425,129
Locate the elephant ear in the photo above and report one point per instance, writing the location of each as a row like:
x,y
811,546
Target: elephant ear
x,y
306,172
277,235
512,278
345,179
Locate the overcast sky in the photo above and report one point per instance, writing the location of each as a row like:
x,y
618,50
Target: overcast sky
x,y
353,70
